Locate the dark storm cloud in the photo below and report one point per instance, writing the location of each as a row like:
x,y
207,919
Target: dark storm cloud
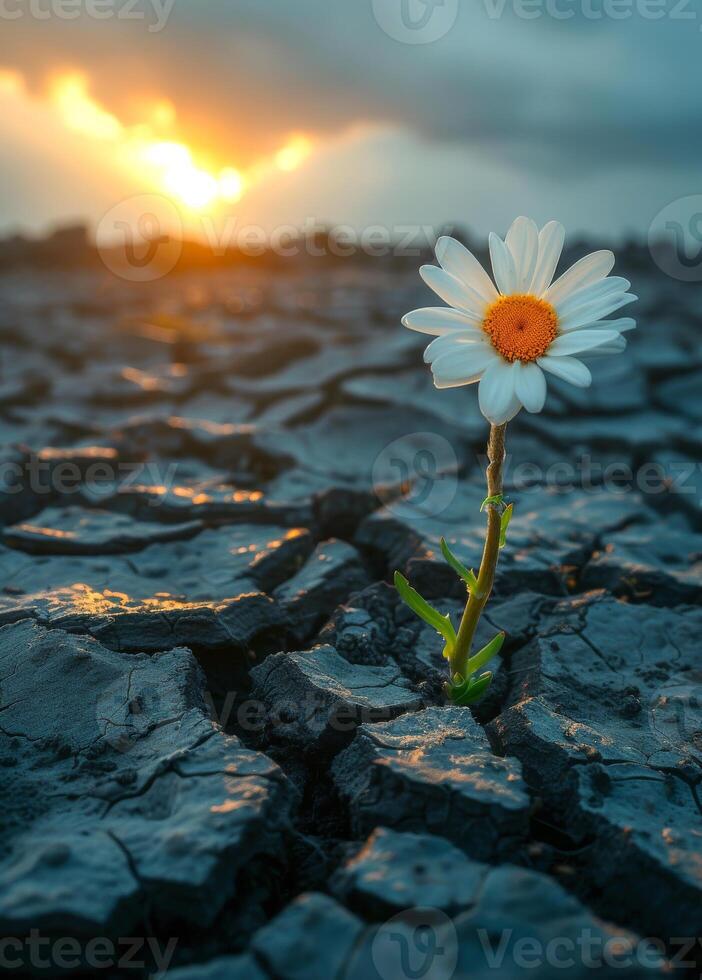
x,y
587,91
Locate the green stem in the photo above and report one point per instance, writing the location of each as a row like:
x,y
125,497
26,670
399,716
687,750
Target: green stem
x,y
486,576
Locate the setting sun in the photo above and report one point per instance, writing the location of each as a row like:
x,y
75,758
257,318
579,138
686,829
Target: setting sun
x,y
231,184
164,164
177,174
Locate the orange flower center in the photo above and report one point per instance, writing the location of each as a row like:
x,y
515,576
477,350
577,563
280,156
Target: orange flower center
x,y
521,327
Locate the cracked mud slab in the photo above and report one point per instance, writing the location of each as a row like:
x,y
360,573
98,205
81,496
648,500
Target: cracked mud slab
x,y
207,591
434,770
235,462
332,572
469,904
76,531
516,904
660,563
315,699
222,968
604,715
128,803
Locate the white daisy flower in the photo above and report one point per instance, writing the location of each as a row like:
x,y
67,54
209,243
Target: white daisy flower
x,y
506,336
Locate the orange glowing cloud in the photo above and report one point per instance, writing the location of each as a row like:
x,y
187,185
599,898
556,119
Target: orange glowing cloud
x,y
80,113
151,152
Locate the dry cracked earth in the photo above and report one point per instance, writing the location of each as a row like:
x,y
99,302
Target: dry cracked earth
x,y
219,729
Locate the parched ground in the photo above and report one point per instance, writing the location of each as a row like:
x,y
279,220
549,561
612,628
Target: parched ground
x,y
219,728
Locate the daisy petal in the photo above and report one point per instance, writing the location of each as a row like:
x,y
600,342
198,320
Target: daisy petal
x,y
462,367
454,341
463,265
614,347
452,291
503,267
590,269
568,369
514,407
580,340
621,325
530,386
440,320
601,289
551,238
496,393
594,311
523,242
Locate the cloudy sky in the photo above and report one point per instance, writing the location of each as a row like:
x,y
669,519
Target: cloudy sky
x,y
351,111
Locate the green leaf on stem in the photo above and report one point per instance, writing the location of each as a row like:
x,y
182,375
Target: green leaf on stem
x,y
464,692
495,500
489,651
442,624
467,574
504,524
